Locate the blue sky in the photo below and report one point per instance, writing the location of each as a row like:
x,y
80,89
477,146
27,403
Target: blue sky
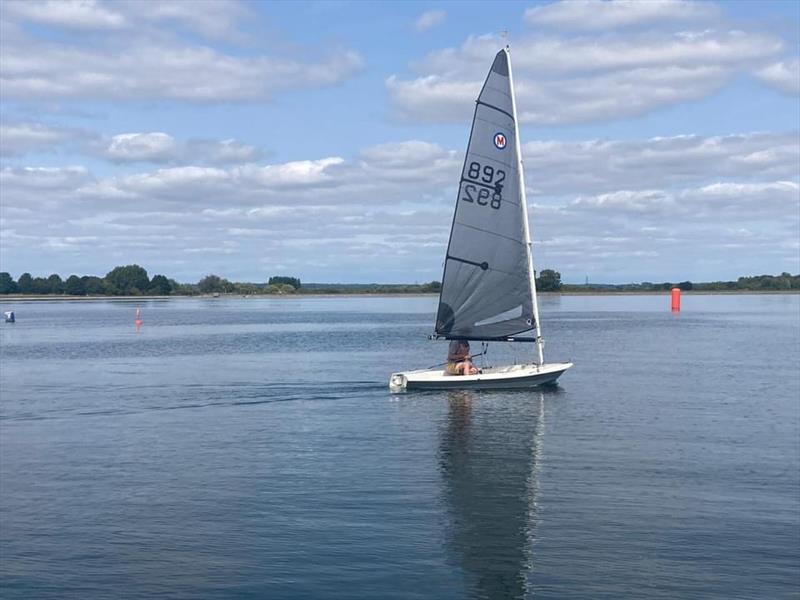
x,y
324,139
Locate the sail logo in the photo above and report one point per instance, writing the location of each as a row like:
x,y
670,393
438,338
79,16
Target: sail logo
x,y
500,140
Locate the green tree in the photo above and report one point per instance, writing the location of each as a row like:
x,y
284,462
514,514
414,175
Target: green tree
x,y
74,286
130,279
94,286
55,284
548,281
40,286
213,284
7,284
278,280
25,284
183,289
160,286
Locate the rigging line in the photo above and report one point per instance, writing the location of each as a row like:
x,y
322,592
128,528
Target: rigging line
x,y
471,356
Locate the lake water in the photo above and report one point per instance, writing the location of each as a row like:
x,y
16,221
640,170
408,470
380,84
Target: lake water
x,y
241,448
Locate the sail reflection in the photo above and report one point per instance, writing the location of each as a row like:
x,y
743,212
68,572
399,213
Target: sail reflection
x,y
488,459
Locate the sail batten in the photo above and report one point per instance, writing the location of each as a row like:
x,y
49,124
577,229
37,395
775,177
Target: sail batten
x,y
486,272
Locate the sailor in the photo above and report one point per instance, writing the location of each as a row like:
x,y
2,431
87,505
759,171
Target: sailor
x,y
459,360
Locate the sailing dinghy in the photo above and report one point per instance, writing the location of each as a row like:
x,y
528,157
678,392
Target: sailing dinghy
x,y
488,286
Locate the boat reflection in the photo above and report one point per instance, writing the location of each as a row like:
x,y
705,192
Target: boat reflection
x,y
488,459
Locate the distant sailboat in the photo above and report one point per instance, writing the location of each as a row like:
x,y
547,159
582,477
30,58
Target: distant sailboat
x,y
488,287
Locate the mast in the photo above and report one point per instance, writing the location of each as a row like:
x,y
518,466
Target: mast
x,y
525,226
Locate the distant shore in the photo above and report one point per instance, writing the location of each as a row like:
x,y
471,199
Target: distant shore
x,y
8,298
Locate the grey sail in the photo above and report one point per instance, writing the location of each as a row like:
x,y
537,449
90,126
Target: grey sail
x,y
486,291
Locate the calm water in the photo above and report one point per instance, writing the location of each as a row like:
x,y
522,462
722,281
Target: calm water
x,y
250,449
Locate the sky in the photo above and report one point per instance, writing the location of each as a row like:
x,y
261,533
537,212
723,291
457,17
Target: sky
x,y
324,140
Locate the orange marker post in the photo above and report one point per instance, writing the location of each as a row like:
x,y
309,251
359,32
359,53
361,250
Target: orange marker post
x,y
676,299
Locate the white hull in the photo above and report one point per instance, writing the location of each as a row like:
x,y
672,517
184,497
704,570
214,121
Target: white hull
x,y
494,378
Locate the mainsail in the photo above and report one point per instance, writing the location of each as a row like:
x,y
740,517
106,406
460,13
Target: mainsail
x,y
486,288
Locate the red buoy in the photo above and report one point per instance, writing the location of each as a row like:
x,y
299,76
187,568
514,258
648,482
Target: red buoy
x,y
138,320
676,299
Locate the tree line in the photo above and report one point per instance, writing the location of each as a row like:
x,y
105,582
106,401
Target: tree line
x,y
133,280
758,283
130,280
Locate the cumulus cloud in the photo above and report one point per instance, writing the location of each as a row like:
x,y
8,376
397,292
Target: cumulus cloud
x,y
154,147
133,62
210,18
764,201
69,14
429,20
17,139
591,166
578,79
20,138
378,176
215,19
597,203
782,75
608,14
161,70
706,229
158,147
35,179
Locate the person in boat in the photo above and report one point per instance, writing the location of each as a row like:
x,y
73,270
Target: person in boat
x,y
459,361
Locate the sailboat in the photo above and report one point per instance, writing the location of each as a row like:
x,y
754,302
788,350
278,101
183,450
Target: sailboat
x,y
488,286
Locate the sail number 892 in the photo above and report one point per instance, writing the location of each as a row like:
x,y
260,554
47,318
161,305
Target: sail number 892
x,y
486,175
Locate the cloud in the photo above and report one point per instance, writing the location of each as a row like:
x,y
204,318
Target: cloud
x,y
599,205
579,79
609,14
17,139
70,14
313,214
35,179
560,168
429,20
381,175
215,19
153,147
137,61
761,201
158,147
716,231
221,152
782,75
20,138
161,70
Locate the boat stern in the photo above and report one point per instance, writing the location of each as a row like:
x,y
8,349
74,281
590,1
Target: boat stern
x,y
398,382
